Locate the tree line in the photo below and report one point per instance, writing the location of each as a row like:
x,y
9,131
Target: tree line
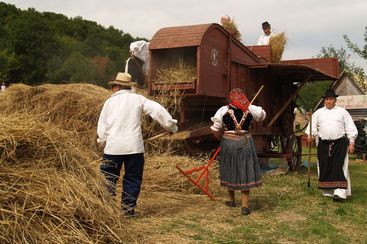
x,y
48,47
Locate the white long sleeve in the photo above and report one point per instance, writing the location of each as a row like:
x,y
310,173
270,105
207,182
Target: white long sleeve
x,y
160,114
331,124
119,124
257,112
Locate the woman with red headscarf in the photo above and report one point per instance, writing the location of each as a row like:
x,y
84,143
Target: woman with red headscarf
x,y
239,167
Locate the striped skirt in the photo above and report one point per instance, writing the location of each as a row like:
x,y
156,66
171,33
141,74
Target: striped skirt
x,y
239,167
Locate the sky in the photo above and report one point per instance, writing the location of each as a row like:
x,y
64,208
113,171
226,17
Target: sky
x,y
308,24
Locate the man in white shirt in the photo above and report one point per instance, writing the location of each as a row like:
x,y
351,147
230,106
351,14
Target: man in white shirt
x,y
264,38
119,128
336,134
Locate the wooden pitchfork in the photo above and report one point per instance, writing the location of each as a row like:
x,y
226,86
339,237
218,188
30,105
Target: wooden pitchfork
x,y
309,153
205,168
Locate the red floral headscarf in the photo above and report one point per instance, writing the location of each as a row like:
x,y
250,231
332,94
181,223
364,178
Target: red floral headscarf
x,y
239,99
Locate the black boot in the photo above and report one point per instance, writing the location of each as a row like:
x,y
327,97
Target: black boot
x,y
129,212
245,211
337,198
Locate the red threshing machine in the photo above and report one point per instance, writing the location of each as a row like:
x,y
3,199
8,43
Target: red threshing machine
x,y
222,63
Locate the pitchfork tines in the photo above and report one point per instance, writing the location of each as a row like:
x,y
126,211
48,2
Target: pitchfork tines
x,y
204,169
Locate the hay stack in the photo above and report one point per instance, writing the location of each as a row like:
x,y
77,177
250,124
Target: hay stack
x,y
231,26
50,189
277,43
76,107
181,73
73,107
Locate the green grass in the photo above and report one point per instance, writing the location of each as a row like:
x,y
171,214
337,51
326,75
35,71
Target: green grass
x,y
285,210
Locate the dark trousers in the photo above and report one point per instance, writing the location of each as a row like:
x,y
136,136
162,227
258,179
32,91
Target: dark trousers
x,y
131,183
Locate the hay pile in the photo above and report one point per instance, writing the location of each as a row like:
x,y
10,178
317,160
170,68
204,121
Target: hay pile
x,y
76,107
171,100
181,73
50,189
72,107
277,43
50,186
230,25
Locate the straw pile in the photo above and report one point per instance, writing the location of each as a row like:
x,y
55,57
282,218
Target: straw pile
x,y
277,43
181,73
73,107
76,107
230,25
50,186
50,189
158,140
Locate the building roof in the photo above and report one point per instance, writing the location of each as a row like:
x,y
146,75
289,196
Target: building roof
x,y
346,85
295,72
179,36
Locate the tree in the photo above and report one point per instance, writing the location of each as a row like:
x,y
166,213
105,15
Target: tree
x,y
47,47
8,62
32,43
76,68
311,94
361,52
356,72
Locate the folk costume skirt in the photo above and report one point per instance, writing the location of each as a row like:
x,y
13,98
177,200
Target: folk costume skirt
x,y
331,155
239,167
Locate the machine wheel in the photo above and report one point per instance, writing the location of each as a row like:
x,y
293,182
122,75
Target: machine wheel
x,y
295,147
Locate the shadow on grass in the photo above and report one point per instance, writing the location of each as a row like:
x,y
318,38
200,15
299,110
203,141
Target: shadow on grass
x,y
263,202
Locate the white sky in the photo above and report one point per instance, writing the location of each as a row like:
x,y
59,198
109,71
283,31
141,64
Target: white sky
x,y
308,24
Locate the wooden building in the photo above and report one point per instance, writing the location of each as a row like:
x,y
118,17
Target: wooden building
x,y
351,97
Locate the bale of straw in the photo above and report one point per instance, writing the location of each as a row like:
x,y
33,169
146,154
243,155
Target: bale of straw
x,y
50,187
277,44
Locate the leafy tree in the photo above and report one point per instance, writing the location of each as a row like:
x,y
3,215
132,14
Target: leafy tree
x,y
356,72
47,47
8,63
76,68
32,43
361,52
311,94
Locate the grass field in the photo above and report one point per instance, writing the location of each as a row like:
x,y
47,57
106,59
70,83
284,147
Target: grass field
x,y
284,210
